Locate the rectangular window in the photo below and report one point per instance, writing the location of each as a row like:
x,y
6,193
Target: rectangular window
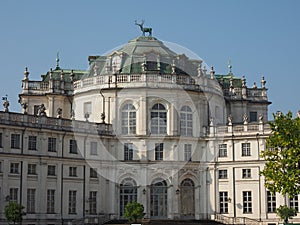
x,y
294,203
223,202
51,170
72,171
72,202
1,166
159,151
223,174
247,202
93,173
1,141
128,151
50,201
271,202
51,144
73,147
30,200
246,173
94,148
31,142
223,150
93,202
31,169
187,152
253,116
14,168
246,149
13,194
15,141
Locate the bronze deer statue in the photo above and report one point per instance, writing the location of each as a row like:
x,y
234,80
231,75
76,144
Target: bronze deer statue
x,y
144,29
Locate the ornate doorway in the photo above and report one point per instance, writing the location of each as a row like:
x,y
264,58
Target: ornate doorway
x,y
187,199
159,199
128,193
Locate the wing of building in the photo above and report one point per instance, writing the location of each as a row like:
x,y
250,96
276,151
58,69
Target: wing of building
x,y
144,124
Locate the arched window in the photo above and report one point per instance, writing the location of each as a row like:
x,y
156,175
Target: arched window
x,y
186,121
128,193
159,199
128,119
158,119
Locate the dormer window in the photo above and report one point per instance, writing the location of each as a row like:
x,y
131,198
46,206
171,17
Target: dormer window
x,y
116,63
151,61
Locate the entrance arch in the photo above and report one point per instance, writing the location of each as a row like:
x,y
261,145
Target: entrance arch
x,y
128,193
187,199
159,199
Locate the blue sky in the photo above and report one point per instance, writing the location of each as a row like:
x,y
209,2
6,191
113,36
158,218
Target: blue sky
x,y
260,38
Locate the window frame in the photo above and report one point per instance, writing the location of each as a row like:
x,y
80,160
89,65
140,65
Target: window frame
x,y
72,202
188,152
31,198
128,119
31,169
51,170
271,202
223,201
50,201
128,151
159,151
14,168
15,141
72,171
52,144
223,152
32,142
158,119
247,202
73,147
222,174
246,149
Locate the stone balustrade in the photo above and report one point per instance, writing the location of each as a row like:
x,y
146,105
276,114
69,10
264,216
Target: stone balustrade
x,y
24,120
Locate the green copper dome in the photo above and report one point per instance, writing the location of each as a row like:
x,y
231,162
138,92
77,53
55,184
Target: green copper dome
x,y
142,55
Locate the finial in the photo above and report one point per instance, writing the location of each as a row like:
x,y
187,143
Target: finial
x,y
229,66
26,73
263,82
204,70
72,75
254,85
62,75
243,81
212,73
57,61
5,103
173,67
51,74
199,69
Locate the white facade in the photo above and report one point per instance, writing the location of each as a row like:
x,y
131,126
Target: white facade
x,y
144,124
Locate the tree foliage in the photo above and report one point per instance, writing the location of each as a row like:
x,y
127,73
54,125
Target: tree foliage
x,y
134,211
14,212
285,213
282,155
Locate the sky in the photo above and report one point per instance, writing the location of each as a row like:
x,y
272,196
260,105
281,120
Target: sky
x,y
260,37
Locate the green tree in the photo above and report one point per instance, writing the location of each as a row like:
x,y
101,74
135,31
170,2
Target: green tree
x,y
14,212
282,155
285,213
134,211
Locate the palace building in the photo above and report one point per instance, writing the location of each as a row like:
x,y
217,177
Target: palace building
x,y
144,124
